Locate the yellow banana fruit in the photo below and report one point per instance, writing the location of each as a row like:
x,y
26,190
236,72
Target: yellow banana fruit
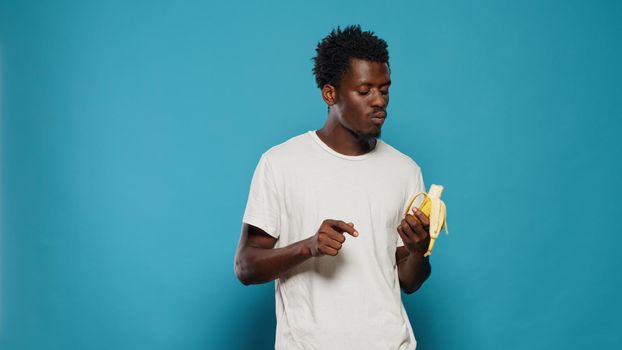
x,y
434,208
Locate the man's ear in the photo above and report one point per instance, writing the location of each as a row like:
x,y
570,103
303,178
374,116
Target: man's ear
x,y
329,94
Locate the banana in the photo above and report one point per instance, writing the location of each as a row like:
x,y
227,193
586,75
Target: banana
x,y
434,208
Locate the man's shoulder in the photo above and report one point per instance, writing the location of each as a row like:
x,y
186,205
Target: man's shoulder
x,y
296,145
397,156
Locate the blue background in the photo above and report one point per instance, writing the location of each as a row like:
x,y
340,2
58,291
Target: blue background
x,y
130,132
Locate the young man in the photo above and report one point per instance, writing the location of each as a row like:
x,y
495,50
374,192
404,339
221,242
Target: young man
x,y
325,214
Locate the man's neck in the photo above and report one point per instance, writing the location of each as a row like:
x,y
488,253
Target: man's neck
x,y
344,141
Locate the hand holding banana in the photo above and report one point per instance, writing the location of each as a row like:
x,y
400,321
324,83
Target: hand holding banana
x,y
419,232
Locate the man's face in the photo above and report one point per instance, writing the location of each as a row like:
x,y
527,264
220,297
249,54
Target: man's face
x,y
362,98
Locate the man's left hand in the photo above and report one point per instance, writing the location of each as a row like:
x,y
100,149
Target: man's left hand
x,y
415,233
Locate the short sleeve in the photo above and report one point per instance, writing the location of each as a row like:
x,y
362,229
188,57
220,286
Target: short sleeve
x,y
415,185
262,207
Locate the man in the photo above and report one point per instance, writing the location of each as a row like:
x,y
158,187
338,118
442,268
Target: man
x,y
325,214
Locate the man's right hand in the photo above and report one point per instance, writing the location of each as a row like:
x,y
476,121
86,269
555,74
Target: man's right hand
x,y
330,237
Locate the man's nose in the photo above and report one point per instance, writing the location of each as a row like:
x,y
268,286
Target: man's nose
x,y
379,99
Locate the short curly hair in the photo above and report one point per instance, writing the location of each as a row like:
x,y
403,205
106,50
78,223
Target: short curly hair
x,y
337,48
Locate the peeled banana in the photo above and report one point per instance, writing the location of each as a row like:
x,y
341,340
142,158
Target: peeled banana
x,y
434,208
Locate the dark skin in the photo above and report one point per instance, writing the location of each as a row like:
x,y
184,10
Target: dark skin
x,y
357,109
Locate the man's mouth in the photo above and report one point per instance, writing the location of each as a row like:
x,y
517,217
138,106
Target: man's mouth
x,y
378,118
379,114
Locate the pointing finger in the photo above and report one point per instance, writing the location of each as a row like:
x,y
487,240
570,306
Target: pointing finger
x,y
341,227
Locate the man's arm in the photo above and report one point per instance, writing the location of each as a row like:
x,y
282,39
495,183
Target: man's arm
x,y
256,260
412,267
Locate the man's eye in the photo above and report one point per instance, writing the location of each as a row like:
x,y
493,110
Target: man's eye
x,y
363,92
385,92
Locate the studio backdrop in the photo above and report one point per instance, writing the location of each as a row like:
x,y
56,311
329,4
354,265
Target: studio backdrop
x,y
130,132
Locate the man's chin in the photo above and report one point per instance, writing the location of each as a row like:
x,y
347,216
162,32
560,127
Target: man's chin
x,y
372,135
366,135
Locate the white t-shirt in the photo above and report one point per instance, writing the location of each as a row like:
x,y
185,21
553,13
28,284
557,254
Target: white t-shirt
x,y
352,300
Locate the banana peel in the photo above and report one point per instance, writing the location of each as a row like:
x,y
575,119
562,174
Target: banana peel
x,y
434,208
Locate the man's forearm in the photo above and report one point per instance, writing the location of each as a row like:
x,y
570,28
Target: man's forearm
x,y
256,265
413,271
